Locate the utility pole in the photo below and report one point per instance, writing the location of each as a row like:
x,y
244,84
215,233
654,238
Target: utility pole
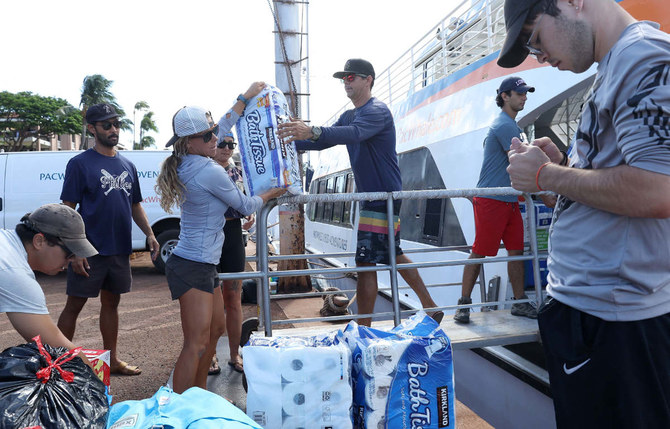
x,y
290,59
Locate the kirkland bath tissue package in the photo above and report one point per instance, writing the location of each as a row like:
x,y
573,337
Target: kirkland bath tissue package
x,y
267,161
403,378
298,382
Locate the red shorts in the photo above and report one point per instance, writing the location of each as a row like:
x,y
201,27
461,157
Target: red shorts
x,y
495,221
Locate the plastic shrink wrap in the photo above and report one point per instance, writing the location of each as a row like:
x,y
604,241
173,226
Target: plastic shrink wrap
x,y
267,161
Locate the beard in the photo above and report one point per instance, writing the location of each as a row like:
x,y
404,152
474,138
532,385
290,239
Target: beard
x,y
106,140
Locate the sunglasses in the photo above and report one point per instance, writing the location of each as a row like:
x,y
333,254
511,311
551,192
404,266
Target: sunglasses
x,y
108,125
231,145
68,253
350,77
208,135
531,50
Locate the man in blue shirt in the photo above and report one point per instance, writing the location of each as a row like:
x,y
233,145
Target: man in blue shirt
x,y
368,131
498,218
105,186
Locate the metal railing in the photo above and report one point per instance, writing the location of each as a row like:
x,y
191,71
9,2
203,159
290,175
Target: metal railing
x,y
472,31
263,260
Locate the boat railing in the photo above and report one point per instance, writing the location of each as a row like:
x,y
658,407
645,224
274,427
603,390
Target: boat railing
x,y
263,272
472,31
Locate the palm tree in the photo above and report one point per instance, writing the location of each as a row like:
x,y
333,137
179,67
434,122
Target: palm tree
x,y
147,141
147,125
140,105
94,90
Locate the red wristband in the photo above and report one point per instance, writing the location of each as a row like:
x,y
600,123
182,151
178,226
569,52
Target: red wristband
x,y
537,175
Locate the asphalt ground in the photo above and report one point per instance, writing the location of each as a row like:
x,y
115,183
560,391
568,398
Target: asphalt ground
x,y
150,334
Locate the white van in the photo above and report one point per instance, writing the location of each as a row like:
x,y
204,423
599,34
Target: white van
x,y
30,179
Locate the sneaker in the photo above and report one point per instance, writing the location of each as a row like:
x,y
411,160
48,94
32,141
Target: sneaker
x,y
463,314
525,309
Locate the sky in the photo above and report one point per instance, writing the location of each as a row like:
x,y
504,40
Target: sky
x,y
204,53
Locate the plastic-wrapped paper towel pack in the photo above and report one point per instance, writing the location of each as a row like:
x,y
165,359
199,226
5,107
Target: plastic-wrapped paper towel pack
x,y
402,378
298,382
267,161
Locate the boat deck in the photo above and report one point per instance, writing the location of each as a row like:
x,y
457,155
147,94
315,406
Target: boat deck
x,y
489,328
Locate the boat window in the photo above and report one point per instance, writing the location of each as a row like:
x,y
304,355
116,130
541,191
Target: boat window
x,y
339,205
319,206
347,205
311,207
431,221
328,207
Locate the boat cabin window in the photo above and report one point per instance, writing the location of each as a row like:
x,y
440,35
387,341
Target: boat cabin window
x,y
432,221
337,213
319,206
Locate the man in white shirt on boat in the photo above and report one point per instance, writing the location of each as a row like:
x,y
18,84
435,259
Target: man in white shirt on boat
x,y
606,326
497,218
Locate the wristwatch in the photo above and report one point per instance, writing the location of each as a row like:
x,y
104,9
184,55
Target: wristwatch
x,y
242,99
316,133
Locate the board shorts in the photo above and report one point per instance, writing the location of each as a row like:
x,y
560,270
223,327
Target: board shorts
x,y
372,242
496,221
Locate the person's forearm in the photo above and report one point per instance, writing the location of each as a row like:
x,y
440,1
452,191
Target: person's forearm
x,y
623,190
141,220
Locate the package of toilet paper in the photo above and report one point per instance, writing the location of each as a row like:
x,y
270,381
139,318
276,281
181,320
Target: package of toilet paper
x,y
401,378
267,161
298,382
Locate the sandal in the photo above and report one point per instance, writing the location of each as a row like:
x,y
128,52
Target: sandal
x,y
214,367
237,366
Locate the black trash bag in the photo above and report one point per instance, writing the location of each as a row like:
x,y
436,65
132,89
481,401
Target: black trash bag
x,y
49,387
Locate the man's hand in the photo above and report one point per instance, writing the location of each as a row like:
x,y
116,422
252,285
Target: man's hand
x,y
295,129
549,148
154,247
80,266
254,90
524,162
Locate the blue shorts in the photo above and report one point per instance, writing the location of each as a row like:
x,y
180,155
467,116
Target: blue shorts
x,y
111,273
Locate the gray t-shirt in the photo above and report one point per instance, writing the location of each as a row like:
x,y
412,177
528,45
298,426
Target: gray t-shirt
x,y
19,291
610,266
494,166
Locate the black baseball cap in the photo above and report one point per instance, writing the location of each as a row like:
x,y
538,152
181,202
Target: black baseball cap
x,y
515,83
100,112
513,51
358,66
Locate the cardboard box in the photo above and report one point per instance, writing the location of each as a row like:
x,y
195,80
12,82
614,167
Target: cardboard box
x,y
100,361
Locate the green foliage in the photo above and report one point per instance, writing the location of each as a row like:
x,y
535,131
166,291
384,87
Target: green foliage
x,y
146,142
95,90
147,124
24,115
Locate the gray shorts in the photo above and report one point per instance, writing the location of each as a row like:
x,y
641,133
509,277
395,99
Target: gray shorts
x,y
184,275
111,273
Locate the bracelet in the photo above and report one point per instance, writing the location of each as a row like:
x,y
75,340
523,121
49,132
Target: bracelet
x,y
564,161
242,99
537,175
